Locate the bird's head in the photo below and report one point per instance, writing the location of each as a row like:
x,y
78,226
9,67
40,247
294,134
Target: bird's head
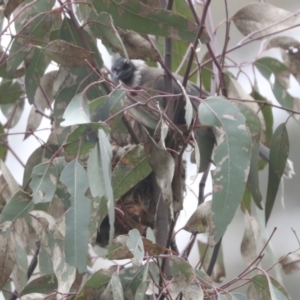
x,y
130,72
123,69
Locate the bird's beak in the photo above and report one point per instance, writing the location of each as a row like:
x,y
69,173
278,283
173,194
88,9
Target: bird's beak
x,y
115,77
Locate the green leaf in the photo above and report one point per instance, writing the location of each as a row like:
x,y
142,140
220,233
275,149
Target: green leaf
x,y
18,207
74,81
70,33
10,91
119,250
34,72
103,28
45,262
36,28
44,182
82,11
268,66
3,148
269,288
279,151
136,247
21,266
232,156
205,140
99,212
78,216
77,111
141,291
206,73
44,285
254,126
104,107
131,278
267,114
83,139
130,169
238,296
40,155
179,48
180,265
144,19
13,112
99,174
98,280
99,108
116,287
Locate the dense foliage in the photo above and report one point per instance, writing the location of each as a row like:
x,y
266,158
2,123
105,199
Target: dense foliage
x,y
107,183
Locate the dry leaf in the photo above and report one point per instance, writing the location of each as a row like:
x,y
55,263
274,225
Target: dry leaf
x,y
68,55
7,258
291,263
219,272
201,222
138,47
162,164
250,238
259,15
290,52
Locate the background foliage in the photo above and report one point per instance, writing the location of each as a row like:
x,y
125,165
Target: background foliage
x,y
103,185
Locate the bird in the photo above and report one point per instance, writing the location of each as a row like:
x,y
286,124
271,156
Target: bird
x,y
136,73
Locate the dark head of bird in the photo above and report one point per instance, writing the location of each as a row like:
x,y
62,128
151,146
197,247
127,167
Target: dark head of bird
x,y
123,69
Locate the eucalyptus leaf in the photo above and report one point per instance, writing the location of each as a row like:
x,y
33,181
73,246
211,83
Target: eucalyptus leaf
x,y
279,152
74,177
232,156
44,182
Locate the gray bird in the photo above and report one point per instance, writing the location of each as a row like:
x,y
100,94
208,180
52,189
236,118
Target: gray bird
x,y
135,73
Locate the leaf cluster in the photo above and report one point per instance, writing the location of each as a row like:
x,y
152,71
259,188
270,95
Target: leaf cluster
x,y
107,184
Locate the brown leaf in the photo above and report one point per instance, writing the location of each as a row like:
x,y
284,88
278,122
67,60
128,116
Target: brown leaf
x,y
259,15
218,273
151,3
184,280
291,263
20,237
138,47
290,52
5,194
154,249
7,259
200,221
249,242
68,55
9,178
10,6
162,164
119,249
